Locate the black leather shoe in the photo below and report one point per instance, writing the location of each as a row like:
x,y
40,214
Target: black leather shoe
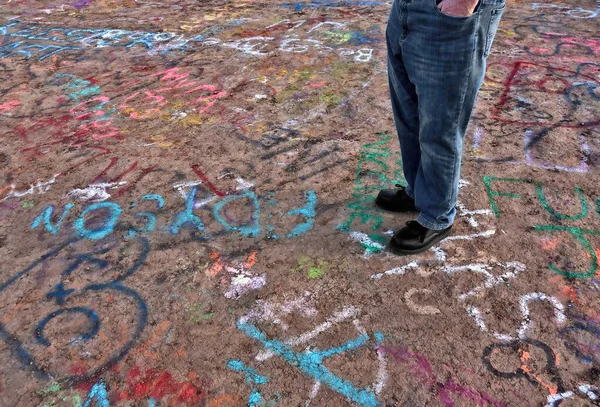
x,y
395,200
415,238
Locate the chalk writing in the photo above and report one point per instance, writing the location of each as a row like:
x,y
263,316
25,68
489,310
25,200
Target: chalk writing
x,y
111,212
62,296
311,362
372,154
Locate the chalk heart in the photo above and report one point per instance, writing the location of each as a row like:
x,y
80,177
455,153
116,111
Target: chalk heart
x,y
71,310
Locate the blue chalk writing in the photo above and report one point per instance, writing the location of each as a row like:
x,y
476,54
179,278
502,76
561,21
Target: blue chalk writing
x,y
255,399
60,293
188,215
14,337
310,362
90,314
252,228
307,211
46,215
87,226
251,375
98,392
106,228
149,216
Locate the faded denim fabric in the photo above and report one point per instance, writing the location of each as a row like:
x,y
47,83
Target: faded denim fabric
x,y
436,65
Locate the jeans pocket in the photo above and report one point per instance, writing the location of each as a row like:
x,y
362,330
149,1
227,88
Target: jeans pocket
x,y
494,22
455,18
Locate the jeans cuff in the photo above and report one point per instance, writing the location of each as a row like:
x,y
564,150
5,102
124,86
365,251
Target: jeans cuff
x,y
431,225
409,191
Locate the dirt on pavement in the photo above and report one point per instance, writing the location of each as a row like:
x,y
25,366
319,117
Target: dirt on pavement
x,y
187,217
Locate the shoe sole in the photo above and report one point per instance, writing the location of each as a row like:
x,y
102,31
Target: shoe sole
x,y
379,205
421,249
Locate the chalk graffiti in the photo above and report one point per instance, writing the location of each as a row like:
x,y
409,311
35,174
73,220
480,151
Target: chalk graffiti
x,y
577,233
372,154
511,107
31,41
254,378
299,6
419,309
104,120
272,312
310,362
424,371
94,192
243,279
526,323
313,269
39,187
575,335
555,386
576,12
110,212
155,386
64,301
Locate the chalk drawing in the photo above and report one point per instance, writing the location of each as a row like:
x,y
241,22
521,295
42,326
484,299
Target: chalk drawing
x,y
61,295
254,378
310,363
107,227
40,187
94,192
187,216
272,312
526,323
243,279
46,217
337,317
514,268
419,309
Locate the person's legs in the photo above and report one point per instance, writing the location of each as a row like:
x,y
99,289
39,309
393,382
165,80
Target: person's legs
x,y
403,97
444,57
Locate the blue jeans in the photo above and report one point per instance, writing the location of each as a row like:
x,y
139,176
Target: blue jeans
x,y
436,65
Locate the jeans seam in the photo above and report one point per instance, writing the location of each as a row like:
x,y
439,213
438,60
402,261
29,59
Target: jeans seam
x,y
487,50
462,103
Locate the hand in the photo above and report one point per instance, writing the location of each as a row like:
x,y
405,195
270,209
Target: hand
x,y
458,8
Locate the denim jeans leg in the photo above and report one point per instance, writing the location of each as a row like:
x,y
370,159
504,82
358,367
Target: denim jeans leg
x,y
444,58
404,101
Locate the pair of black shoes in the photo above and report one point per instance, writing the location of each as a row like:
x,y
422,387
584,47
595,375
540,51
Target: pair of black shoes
x,y
413,238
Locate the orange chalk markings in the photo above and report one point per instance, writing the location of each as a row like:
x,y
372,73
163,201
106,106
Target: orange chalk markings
x,y
551,244
525,356
225,401
219,266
